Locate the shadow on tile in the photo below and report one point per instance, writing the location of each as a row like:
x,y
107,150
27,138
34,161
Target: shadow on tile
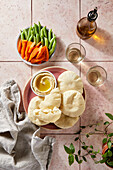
x,y
102,40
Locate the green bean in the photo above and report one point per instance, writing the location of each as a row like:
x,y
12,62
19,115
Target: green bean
x,y
39,26
45,32
53,48
22,36
53,34
34,39
51,42
46,42
29,32
50,34
25,33
42,32
37,38
36,28
42,40
30,38
32,32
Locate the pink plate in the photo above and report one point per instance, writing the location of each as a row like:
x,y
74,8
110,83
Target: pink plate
x,y
28,93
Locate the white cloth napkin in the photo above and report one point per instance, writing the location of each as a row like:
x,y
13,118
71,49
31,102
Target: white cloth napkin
x,y
21,148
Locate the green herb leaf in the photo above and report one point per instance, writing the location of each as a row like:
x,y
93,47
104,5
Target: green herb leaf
x,y
90,151
109,153
109,144
71,159
83,143
80,161
87,135
106,123
84,158
96,129
105,155
76,158
79,152
110,135
72,148
110,163
104,140
93,156
68,150
76,138
85,147
91,146
83,127
103,160
109,115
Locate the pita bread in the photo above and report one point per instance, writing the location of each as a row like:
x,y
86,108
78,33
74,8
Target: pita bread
x,y
34,104
47,115
52,100
68,80
66,122
73,103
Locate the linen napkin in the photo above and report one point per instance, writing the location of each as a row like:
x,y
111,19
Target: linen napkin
x,y
21,148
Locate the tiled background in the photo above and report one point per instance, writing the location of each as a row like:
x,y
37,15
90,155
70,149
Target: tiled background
x,y
62,17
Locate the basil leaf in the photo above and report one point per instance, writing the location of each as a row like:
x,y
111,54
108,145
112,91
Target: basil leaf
x,y
104,140
76,138
84,158
110,163
109,144
68,150
71,159
91,146
72,148
109,115
110,135
109,153
93,156
106,123
103,160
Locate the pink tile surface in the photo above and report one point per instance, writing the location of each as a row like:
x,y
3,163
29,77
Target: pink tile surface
x,y
15,15
18,71
59,156
96,141
62,17
99,47
99,100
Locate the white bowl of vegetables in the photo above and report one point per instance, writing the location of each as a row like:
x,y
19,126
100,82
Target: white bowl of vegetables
x,y
36,45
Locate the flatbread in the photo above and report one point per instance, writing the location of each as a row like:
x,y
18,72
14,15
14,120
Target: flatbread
x,y
73,103
52,100
34,104
48,115
66,122
68,80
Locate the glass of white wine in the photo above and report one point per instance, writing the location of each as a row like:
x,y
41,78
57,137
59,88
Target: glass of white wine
x,y
75,52
96,76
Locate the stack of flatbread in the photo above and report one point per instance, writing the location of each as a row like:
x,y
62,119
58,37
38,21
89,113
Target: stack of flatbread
x,y
62,106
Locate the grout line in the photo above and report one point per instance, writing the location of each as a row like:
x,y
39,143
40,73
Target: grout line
x,y
68,134
31,12
63,61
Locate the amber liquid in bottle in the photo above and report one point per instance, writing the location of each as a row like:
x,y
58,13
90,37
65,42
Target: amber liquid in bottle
x,y
86,29
87,26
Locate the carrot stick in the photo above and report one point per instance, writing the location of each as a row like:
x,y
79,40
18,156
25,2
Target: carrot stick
x,y
27,55
34,53
24,44
38,44
31,47
19,45
33,61
47,54
40,52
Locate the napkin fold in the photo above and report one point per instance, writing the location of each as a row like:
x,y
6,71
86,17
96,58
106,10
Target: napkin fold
x,y
21,148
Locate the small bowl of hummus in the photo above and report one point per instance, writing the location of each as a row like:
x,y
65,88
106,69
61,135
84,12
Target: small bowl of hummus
x,y
43,82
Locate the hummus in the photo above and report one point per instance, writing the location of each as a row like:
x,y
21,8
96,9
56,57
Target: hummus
x,y
43,83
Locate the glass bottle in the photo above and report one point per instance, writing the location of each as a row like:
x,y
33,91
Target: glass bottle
x,y
87,26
